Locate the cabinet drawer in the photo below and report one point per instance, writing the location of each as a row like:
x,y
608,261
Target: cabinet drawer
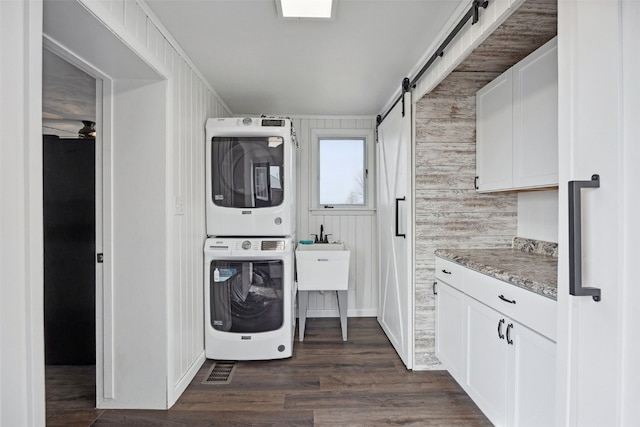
x,y
532,310
450,273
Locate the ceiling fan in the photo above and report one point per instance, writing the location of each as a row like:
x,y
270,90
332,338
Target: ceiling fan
x,y
68,126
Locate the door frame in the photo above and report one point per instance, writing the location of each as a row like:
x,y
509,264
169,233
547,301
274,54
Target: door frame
x,y
103,279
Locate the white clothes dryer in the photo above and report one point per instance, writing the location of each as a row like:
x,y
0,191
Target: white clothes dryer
x,y
250,170
249,294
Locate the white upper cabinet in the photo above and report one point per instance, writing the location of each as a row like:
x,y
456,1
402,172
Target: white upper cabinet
x,y
535,118
494,148
517,125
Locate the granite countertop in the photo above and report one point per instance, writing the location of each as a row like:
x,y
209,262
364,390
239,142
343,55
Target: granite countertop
x,y
524,266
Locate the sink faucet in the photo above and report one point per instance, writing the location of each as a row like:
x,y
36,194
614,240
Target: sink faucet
x,y
322,238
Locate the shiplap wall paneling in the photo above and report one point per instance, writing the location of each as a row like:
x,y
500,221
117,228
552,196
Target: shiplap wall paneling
x,y
191,101
357,231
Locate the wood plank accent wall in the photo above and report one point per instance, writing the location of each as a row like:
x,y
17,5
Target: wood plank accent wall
x,y
449,212
191,101
468,39
357,231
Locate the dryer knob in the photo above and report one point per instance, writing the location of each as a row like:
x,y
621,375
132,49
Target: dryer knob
x,y
247,121
246,244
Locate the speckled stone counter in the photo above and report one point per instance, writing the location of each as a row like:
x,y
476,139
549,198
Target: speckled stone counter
x,y
532,271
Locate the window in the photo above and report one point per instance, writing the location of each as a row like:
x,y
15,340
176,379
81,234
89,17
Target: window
x,y
342,171
341,175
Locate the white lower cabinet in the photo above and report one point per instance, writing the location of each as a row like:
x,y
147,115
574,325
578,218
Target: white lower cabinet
x,y
450,327
507,368
531,394
486,361
510,368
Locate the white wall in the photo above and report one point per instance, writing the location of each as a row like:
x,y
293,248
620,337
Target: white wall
x,y
189,102
21,241
139,239
357,231
159,298
538,215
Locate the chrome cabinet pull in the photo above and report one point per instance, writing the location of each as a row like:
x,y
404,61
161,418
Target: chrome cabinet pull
x,y
500,334
575,238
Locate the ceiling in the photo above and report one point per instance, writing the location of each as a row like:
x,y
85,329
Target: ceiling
x,y
68,97
261,64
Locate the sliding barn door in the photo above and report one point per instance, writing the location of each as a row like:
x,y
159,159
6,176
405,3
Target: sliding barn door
x,y
599,134
395,229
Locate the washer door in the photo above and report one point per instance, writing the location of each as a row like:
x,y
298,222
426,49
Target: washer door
x,y
246,296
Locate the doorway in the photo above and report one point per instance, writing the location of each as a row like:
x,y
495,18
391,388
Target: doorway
x,y
69,116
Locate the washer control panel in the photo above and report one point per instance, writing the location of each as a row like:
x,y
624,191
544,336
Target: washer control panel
x,y
249,245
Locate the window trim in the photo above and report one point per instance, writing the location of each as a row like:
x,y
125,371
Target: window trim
x,y
314,174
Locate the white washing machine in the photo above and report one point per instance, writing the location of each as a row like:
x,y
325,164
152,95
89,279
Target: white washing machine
x,y
249,298
250,170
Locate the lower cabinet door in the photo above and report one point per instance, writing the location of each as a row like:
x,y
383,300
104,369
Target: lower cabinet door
x,y
532,386
450,330
486,362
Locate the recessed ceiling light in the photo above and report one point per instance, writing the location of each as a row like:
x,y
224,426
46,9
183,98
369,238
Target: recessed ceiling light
x,y
306,9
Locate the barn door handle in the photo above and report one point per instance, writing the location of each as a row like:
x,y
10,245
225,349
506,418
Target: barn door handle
x,y
398,200
575,238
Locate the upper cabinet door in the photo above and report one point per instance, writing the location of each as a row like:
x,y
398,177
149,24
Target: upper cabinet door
x,y
535,118
517,125
494,134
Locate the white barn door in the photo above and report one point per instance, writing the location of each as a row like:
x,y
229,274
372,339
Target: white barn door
x,y
599,105
395,229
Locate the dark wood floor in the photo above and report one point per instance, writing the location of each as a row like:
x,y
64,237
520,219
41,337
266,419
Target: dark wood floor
x,y
326,383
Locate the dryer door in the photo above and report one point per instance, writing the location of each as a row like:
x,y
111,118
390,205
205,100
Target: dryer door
x,y
246,296
247,172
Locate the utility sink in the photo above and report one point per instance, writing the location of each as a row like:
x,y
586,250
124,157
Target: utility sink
x,y
323,267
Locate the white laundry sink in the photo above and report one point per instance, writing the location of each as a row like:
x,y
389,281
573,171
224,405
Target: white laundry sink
x,y
323,267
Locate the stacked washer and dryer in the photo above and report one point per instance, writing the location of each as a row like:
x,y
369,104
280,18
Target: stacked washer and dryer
x,y
249,287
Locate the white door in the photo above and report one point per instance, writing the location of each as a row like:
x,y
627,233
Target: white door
x,y
450,326
395,229
599,106
494,141
486,363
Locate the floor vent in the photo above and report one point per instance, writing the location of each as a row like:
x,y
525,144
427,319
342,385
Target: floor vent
x,y
220,373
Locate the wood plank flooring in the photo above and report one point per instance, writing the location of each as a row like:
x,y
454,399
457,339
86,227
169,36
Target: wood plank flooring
x,y
327,382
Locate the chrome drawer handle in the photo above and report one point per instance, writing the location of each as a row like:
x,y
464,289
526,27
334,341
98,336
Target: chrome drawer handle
x,y
445,271
510,301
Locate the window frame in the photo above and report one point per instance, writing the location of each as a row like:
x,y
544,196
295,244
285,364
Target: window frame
x,y
368,208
